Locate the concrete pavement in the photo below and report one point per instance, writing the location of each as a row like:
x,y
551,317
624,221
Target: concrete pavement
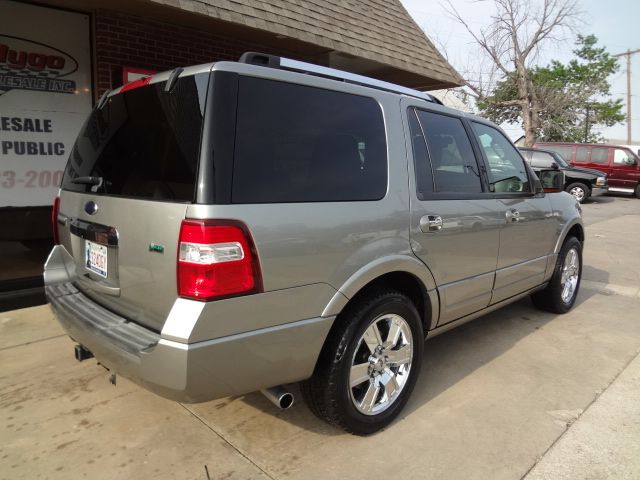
x,y
518,392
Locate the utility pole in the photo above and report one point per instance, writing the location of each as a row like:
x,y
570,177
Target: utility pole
x,y
628,54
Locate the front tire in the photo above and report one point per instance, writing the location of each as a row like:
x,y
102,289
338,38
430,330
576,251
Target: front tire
x,y
580,191
369,364
560,295
637,191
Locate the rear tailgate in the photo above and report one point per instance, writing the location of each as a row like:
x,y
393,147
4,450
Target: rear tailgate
x,y
126,187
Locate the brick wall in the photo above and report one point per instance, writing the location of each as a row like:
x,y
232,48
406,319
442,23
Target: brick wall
x,y
125,40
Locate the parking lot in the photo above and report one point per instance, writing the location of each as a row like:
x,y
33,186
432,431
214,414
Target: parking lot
x,y
518,393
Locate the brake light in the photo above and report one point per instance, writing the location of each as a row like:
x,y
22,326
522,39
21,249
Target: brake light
x,y
216,259
54,220
141,82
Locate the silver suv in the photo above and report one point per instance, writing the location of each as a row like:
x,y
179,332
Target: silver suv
x,y
240,226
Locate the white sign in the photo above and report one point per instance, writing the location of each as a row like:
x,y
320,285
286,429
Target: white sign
x,y
45,96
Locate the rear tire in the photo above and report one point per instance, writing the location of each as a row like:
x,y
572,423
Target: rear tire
x,y
637,191
580,191
560,295
369,364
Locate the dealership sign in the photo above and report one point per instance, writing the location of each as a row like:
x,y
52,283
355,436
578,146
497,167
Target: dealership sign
x,y
29,65
45,95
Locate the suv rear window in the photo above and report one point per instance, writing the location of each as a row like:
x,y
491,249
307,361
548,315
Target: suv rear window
x,y
144,143
296,143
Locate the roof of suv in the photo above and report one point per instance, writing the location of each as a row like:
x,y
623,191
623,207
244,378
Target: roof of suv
x,y
251,63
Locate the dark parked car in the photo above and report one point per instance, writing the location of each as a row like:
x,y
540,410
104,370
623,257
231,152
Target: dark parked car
x,y
579,182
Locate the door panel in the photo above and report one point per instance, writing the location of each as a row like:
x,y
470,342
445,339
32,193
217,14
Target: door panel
x,y
528,227
455,226
462,254
525,244
623,174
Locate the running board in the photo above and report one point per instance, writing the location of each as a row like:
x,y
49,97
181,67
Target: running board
x,y
622,190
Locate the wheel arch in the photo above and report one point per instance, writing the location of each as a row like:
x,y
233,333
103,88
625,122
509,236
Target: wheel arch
x,y
406,274
574,229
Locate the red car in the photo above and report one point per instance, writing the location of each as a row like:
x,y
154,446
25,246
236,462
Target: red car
x,y
621,164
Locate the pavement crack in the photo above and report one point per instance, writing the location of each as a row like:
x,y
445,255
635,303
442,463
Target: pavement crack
x,y
572,422
9,347
240,452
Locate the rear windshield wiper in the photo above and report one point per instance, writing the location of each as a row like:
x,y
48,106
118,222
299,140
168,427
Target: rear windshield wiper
x,y
96,182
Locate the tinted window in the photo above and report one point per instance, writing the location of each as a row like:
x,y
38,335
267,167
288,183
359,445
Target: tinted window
x,y
302,144
599,155
582,154
453,163
143,143
507,172
422,165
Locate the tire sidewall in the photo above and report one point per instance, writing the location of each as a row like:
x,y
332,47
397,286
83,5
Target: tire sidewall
x,y
388,304
584,188
574,243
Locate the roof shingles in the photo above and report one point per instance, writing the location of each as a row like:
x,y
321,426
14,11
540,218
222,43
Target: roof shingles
x,y
380,31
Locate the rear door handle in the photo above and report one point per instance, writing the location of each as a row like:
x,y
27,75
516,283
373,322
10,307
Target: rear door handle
x,y
512,215
431,223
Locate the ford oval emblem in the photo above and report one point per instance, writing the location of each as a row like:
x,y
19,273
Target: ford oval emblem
x,y
91,207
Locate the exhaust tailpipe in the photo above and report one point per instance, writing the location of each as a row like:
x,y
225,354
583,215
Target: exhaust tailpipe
x,y
279,396
81,353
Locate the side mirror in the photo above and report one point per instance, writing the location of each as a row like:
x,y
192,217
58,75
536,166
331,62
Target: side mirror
x,y
555,166
551,180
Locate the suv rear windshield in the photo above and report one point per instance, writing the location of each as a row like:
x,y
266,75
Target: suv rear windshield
x,y
143,143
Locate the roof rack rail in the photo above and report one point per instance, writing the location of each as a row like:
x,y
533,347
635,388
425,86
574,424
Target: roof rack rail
x,y
274,61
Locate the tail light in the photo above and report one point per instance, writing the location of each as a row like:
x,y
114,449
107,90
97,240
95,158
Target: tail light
x,y
54,220
216,259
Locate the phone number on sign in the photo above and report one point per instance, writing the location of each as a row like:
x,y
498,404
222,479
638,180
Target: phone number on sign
x,y
31,179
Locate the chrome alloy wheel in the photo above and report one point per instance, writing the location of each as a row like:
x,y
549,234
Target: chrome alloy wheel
x,y
569,276
578,192
381,364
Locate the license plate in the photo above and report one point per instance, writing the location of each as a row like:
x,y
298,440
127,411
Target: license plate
x,y
96,258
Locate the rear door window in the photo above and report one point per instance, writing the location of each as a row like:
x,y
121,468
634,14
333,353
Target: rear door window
x,y
453,164
143,143
296,143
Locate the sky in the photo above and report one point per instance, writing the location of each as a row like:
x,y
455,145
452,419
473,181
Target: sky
x,y
614,22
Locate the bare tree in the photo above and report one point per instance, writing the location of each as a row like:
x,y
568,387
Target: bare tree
x,y
511,42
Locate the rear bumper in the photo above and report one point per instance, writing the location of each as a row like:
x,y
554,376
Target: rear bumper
x,y
190,372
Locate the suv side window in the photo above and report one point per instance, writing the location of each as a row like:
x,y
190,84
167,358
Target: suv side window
x,y
507,172
453,165
422,165
296,143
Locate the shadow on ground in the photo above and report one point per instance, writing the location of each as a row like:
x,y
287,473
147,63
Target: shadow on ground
x,y
448,358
